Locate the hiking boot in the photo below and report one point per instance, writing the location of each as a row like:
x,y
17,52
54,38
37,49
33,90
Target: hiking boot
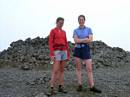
x,y
61,89
80,88
94,89
51,92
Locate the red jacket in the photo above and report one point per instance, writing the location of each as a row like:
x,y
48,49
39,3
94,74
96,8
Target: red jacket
x,y
58,41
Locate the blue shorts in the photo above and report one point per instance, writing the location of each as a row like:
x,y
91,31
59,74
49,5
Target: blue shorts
x,y
82,52
60,55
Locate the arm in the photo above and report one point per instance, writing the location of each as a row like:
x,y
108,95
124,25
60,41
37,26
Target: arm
x,y
51,41
85,40
68,49
88,40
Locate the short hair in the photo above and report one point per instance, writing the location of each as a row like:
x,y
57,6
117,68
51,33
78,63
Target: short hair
x,y
59,18
81,16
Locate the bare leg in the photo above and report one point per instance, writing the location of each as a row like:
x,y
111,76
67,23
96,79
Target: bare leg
x,y
55,70
61,73
88,63
78,71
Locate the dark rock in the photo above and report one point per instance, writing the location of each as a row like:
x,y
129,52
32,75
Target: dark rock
x,y
26,67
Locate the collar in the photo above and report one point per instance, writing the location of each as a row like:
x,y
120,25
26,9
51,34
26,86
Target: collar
x,y
58,29
81,28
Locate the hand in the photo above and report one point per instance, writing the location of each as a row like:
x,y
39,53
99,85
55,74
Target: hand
x,y
52,58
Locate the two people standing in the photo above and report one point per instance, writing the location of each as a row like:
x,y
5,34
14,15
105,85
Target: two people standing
x,y
59,54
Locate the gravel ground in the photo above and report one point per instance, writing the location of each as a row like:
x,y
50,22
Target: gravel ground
x,y
114,82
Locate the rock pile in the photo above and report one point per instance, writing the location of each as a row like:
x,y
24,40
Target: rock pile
x,y
104,55
28,53
35,53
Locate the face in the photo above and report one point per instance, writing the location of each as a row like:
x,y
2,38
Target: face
x,y
81,21
60,23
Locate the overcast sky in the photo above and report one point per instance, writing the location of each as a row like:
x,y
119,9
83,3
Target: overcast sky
x,y
108,19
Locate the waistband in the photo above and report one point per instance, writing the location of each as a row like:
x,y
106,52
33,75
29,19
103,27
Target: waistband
x,y
79,45
60,47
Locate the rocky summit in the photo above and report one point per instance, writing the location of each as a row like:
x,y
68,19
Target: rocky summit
x,y
25,70
33,53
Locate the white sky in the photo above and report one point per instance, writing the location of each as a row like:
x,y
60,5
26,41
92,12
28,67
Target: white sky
x,y
21,19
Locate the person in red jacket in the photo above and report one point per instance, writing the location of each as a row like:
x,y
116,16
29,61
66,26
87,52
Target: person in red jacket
x,y
59,54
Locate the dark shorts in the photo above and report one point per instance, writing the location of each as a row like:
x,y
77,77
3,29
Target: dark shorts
x,y
83,52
